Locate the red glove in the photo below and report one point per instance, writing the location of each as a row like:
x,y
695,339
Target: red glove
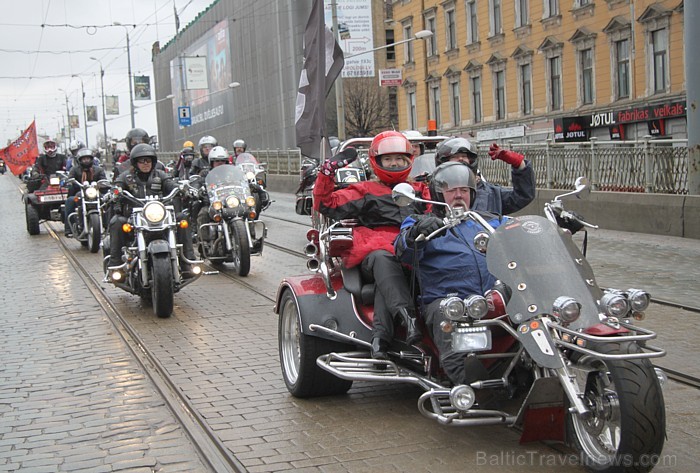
x,y
510,157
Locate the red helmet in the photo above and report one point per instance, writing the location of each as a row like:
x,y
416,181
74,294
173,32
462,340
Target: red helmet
x,y
390,142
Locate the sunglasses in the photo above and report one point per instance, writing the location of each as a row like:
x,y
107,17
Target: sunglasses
x,y
144,160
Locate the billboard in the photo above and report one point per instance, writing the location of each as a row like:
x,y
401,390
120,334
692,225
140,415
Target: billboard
x,y
142,88
112,104
91,113
74,121
356,35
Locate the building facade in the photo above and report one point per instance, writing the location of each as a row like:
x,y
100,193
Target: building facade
x,y
531,70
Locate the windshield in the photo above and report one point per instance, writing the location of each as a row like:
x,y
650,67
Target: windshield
x,y
225,180
246,158
540,263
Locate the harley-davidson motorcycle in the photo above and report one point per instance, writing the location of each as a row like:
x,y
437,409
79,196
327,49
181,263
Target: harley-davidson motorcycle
x,y
86,222
562,358
151,263
234,234
44,200
256,173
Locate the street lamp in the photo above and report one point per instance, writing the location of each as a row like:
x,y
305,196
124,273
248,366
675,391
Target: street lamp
x,y
67,116
128,61
422,34
82,87
102,86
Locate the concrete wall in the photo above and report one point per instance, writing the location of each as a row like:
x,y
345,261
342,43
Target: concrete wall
x,y
658,214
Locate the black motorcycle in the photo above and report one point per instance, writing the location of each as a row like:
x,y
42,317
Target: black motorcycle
x,y
86,222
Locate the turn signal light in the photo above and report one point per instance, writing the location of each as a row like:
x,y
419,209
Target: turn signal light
x,y
126,228
251,215
76,199
184,224
217,218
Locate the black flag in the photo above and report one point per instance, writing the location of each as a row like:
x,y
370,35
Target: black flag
x,y
323,61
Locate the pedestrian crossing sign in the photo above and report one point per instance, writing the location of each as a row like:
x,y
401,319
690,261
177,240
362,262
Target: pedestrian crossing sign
x,y
184,116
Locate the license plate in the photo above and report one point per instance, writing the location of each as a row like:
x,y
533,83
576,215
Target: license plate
x,y
471,339
52,198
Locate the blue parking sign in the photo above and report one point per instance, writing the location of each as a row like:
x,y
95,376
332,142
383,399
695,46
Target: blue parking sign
x,y
184,116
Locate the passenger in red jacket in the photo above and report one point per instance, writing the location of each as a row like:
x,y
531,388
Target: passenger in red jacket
x,y
379,219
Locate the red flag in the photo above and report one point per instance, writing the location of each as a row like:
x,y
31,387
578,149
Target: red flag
x,y
22,152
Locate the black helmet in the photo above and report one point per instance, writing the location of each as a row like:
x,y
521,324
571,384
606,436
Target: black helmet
x,y
450,147
448,176
85,157
143,150
136,136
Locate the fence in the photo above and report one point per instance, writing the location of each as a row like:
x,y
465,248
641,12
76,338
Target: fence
x,y
653,166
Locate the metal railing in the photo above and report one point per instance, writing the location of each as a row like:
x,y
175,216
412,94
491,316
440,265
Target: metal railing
x,y
653,166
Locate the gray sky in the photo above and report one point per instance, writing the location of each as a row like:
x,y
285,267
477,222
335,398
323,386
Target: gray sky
x,y
38,61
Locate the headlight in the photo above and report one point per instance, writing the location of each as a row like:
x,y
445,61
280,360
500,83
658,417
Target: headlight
x,y
452,308
154,212
217,205
91,193
477,307
614,304
250,176
639,300
566,308
232,202
54,181
250,201
462,397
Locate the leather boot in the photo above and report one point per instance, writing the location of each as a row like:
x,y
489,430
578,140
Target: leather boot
x,y
379,348
413,333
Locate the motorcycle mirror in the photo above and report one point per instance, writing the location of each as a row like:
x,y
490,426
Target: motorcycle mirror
x,y
403,194
582,189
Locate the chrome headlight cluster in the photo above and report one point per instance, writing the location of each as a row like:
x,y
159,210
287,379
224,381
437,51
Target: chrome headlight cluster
x,y
566,308
232,202
614,304
154,212
639,300
456,309
250,176
91,193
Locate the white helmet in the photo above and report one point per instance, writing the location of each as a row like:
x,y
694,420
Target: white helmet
x,y
218,153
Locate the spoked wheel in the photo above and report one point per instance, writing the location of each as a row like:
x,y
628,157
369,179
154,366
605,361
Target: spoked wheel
x,y
241,249
298,353
94,233
627,425
162,292
32,217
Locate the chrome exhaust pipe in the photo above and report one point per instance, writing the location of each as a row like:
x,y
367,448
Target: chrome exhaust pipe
x,y
313,264
310,249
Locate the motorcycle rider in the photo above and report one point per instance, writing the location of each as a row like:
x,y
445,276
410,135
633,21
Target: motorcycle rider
x,y
184,163
448,264
74,146
490,197
134,137
379,218
217,157
85,170
205,145
142,179
46,165
261,194
239,146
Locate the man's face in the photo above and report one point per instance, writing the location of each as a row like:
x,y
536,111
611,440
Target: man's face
x,y
205,150
217,163
239,150
394,161
416,149
144,164
462,158
458,197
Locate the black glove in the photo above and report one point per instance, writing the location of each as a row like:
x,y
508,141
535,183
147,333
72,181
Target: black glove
x,y
570,224
425,225
338,161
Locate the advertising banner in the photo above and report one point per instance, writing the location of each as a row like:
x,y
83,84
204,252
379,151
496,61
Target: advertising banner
x,y
112,104
142,88
91,113
74,121
355,31
196,73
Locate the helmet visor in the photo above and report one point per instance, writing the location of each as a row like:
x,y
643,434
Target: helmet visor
x,y
393,144
452,177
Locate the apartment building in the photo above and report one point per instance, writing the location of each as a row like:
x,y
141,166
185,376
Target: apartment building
x,y
531,70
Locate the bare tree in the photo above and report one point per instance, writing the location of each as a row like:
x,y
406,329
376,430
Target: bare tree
x,y
366,108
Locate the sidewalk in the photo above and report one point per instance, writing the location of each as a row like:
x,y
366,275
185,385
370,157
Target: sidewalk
x,y
72,398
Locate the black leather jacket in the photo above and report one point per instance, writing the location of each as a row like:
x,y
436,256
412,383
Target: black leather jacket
x,y
48,165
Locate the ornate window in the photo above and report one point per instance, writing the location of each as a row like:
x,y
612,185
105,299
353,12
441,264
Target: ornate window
x,y
584,44
657,21
552,48
619,33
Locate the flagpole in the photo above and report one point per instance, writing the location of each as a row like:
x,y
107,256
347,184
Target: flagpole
x,y
339,91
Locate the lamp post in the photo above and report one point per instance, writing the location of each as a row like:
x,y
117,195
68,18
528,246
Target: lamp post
x,y
67,116
82,88
128,62
102,87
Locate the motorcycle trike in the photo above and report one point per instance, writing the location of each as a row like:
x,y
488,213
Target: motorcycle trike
x,y
154,266
559,357
233,233
86,223
44,201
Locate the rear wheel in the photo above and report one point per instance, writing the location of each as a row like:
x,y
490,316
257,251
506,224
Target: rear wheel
x,y
298,353
241,249
627,426
32,217
94,233
162,292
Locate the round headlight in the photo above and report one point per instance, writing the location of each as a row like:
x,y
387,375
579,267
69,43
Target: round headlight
x,y
250,201
639,300
154,212
477,307
217,205
614,304
452,308
566,308
462,397
250,176
91,193
232,202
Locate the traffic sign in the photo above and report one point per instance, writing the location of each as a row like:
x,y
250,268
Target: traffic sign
x,y
184,116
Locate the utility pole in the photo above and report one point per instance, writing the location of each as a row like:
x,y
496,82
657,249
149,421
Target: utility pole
x,y
692,72
128,62
104,119
82,88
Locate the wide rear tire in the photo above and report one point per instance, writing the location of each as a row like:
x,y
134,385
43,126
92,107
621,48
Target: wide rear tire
x,y
162,291
298,353
32,217
94,233
627,430
241,248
